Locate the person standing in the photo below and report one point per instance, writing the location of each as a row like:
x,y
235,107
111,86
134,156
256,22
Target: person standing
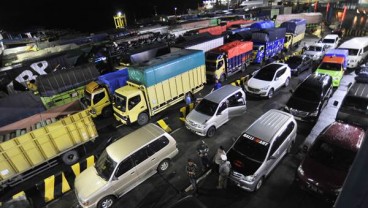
x,y
217,86
192,170
188,98
217,158
224,172
203,151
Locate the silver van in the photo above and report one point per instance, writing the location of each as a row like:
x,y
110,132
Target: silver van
x,y
215,109
260,148
125,164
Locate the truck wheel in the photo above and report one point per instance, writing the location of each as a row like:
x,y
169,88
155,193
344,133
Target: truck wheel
x,y
106,202
70,157
143,119
211,132
163,166
107,112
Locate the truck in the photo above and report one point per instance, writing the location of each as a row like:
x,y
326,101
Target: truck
x,y
44,145
228,59
98,94
64,86
155,85
295,32
267,43
334,63
204,42
145,53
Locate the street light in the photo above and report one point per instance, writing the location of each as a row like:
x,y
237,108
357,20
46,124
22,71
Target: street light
x,y
175,10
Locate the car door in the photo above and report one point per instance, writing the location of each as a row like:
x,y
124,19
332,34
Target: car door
x,y
125,177
143,164
279,80
236,105
222,114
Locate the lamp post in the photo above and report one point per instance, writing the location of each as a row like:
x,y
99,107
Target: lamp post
x,y
175,8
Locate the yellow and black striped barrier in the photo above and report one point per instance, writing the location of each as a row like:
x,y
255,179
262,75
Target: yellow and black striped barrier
x,y
356,33
184,111
240,82
164,126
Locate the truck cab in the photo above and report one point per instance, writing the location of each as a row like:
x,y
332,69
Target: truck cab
x,y
332,66
258,53
215,66
97,98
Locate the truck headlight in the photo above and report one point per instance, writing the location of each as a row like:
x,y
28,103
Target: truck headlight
x,y
124,118
249,178
93,110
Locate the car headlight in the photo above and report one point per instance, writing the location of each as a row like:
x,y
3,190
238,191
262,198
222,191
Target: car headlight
x,y
249,178
300,170
315,113
287,108
264,88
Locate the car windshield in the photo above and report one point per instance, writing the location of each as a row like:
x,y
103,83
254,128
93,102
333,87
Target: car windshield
x,y
331,155
252,147
207,107
308,94
328,41
265,74
105,166
314,48
356,103
330,66
294,60
351,52
120,102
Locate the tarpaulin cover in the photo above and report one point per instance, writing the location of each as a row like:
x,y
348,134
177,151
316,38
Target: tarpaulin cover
x,y
338,53
311,18
263,24
114,80
19,106
194,40
215,30
295,26
268,35
237,22
165,67
236,48
62,81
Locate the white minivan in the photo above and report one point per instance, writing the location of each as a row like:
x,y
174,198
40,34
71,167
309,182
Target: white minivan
x,y
358,50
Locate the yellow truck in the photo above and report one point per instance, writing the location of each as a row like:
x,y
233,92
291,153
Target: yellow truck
x,y
295,32
155,85
43,147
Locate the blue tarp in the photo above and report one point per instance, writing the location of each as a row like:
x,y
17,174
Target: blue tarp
x,y
263,24
114,80
295,26
339,53
165,67
268,35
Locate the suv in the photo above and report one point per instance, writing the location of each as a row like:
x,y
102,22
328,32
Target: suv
x,y
125,164
310,97
215,109
331,41
354,107
268,79
260,148
315,51
324,169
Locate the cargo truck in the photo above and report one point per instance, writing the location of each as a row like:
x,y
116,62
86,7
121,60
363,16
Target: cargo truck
x,y
145,53
44,146
228,59
155,85
295,31
334,64
204,42
267,43
98,94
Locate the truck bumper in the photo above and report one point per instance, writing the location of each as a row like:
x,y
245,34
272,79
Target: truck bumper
x,y
121,119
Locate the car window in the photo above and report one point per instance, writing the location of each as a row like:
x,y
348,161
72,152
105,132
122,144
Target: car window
x,y
282,137
281,72
207,107
124,167
235,100
139,156
134,101
222,107
158,144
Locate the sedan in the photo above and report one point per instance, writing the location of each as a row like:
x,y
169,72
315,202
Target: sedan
x,y
299,64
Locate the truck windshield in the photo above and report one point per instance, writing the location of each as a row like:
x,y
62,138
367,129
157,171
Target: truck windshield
x,y
105,166
252,147
332,155
352,52
330,66
120,102
328,41
207,107
314,48
210,65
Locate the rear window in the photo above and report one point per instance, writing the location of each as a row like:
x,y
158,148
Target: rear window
x,y
252,147
328,41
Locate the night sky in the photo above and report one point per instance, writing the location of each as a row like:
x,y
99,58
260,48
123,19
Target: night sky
x,y
82,15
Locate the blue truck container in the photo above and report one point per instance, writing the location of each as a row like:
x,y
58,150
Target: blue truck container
x,y
164,67
266,24
339,53
114,80
267,43
295,26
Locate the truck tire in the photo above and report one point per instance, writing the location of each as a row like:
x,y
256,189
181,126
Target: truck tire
x,y
107,112
70,157
142,119
106,202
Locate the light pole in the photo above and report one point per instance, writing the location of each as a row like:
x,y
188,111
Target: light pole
x,y
175,8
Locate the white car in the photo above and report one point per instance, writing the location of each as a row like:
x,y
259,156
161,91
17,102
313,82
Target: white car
x,y
331,40
316,51
268,79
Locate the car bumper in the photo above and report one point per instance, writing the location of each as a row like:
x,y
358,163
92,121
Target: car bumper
x,y
196,130
248,186
352,65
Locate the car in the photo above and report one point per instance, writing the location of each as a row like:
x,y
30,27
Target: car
x,y
327,163
315,51
268,79
362,74
258,150
299,64
331,41
310,97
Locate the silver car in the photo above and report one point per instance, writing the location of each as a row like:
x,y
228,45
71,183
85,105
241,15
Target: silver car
x,y
316,51
260,148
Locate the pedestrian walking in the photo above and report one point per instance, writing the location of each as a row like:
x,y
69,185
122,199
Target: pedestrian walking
x,y
224,172
188,98
218,85
217,158
203,151
192,170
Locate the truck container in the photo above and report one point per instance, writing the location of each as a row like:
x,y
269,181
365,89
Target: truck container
x,y
228,59
65,86
141,54
266,24
98,94
238,22
295,31
41,149
215,30
204,42
334,64
155,85
267,44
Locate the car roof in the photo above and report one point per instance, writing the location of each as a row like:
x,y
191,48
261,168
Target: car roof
x,y
273,66
317,44
358,90
130,143
343,135
355,43
218,95
315,80
331,36
266,126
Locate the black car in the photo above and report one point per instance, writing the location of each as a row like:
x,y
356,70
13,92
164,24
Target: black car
x,y
362,74
310,97
299,64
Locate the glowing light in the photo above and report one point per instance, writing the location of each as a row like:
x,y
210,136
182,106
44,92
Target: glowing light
x,y
118,14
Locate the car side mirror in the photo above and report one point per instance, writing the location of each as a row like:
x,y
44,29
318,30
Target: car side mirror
x,y
291,91
335,103
276,78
